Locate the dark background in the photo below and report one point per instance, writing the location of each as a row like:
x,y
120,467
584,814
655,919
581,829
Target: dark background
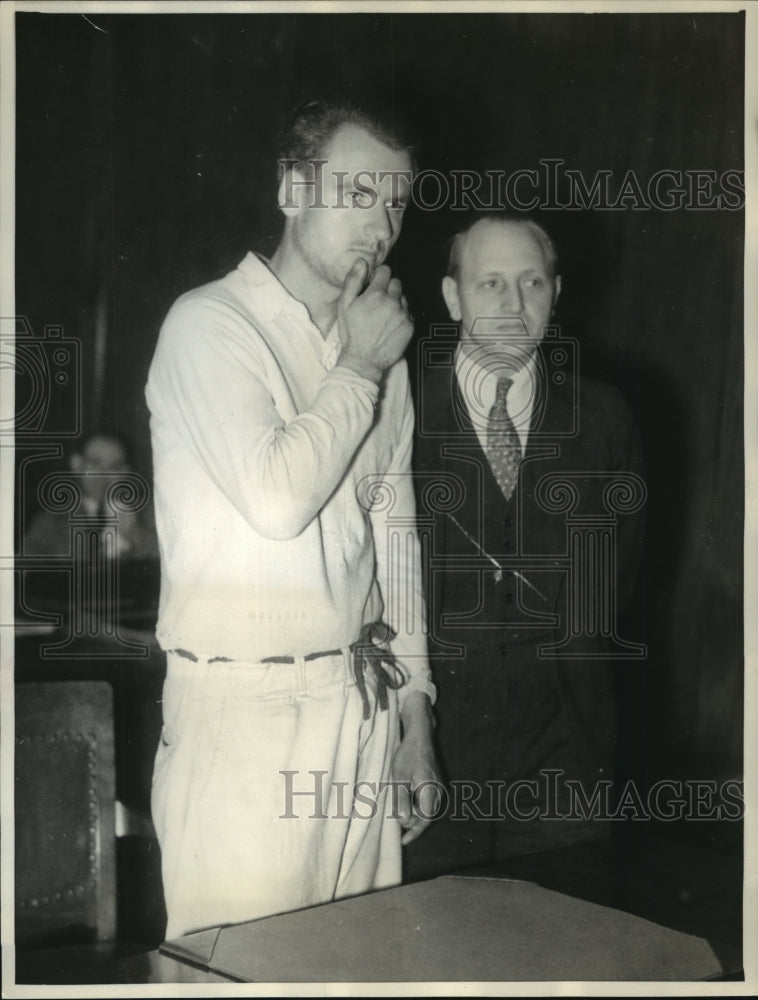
x,y
145,166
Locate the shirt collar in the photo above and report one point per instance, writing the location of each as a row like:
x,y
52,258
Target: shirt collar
x,y
271,297
331,347
273,301
478,385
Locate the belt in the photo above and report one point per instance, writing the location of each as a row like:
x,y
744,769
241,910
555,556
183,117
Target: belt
x,y
368,651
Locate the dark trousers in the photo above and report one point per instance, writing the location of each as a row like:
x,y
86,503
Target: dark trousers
x,y
512,731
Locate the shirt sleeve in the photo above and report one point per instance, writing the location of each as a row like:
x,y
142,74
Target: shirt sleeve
x,y
210,380
398,562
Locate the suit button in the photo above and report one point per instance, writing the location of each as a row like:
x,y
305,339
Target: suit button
x,y
503,649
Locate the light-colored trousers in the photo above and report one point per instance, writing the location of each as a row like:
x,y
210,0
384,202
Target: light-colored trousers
x,y
240,742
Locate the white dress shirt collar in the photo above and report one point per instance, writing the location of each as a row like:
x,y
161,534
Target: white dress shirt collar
x,y
478,385
273,303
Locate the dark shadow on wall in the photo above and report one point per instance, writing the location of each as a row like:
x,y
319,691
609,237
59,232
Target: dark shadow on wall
x,y
145,166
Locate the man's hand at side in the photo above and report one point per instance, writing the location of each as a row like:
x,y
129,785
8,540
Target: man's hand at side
x,y
415,768
374,325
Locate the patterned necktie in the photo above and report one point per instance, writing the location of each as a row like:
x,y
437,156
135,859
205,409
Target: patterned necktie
x,y
503,445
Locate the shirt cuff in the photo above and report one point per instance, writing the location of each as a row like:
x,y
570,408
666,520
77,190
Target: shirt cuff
x,y
348,377
421,681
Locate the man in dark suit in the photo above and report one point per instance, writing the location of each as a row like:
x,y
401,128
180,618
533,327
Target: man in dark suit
x,y
530,494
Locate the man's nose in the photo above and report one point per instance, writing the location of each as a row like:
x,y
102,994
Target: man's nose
x,y
379,224
512,300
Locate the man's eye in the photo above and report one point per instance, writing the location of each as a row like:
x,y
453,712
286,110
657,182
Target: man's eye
x,y
533,282
360,199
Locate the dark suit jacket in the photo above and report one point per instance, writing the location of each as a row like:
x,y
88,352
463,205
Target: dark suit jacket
x,y
533,646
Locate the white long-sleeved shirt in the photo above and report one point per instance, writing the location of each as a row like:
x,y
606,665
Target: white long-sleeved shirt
x,y
275,535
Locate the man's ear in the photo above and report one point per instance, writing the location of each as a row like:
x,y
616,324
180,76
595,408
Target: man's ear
x,y
557,291
292,192
450,295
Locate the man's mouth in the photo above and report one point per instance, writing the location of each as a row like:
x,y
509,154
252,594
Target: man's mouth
x,y
514,323
366,252
373,260
512,326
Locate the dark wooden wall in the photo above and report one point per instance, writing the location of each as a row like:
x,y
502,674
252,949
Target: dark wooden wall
x,y
145,149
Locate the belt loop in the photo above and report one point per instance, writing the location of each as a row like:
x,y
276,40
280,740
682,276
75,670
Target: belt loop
x,y
301,679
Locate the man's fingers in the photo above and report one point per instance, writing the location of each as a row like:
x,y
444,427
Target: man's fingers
x,y
395,289
353,283
427,800
404,805
414,830
381,278
416,812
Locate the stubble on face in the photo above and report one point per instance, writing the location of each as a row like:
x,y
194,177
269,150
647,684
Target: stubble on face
x,y
364,186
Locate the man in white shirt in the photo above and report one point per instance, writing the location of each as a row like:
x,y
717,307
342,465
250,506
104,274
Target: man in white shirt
x,y
522,599
281,419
